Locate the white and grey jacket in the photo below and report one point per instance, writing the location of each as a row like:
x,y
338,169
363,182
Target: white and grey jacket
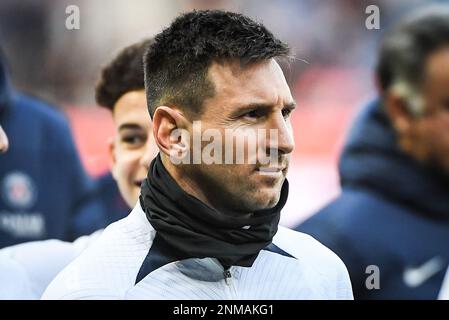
x,y
123,264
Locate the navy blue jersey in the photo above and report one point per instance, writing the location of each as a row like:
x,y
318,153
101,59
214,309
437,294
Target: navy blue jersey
x,y
113,207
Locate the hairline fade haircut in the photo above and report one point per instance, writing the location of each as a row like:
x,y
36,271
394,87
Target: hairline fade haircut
x,y
176,65
124,73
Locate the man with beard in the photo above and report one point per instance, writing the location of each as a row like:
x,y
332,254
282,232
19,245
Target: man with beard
x,y
210,230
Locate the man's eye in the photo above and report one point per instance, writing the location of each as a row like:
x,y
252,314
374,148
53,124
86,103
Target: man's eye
x,y
253,114
133,140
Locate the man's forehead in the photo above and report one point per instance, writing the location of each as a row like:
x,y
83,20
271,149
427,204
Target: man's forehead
x,y
129,102
234,70
131,107
262,82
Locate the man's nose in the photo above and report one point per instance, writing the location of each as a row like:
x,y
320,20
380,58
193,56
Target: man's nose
x,y
4,144
283,140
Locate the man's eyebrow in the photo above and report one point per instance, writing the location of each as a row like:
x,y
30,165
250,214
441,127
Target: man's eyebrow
x,y
133,126
256,105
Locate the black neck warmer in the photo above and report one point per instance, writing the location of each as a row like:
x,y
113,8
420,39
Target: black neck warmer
x,y
195,230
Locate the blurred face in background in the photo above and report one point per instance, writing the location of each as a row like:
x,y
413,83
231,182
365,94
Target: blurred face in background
x,y
133,147
3,141
426,137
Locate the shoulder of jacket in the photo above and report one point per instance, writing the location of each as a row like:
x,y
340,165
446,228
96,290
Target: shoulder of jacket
x,y
107,267
309,250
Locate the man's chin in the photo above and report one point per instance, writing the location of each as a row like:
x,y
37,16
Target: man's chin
x,y
132,198
266,199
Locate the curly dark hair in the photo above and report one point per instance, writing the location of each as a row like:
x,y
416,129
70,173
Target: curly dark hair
x,y
123,74
176,64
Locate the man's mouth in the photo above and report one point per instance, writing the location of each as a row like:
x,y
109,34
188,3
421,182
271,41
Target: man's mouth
x,y
272,171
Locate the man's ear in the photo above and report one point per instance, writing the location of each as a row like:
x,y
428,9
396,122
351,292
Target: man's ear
x,y
169,126
398,111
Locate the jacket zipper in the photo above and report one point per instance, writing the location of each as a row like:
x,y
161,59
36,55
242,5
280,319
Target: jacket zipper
x,y
228,280
227,276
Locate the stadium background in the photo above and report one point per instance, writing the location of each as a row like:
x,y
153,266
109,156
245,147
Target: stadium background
x,y
330,79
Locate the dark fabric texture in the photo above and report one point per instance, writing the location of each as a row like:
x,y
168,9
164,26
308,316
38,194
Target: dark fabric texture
x,y
197,230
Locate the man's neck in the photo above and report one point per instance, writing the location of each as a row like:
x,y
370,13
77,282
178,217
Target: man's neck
x,y
185,182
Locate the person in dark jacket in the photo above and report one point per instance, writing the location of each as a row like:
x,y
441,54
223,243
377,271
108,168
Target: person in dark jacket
x,y
390,225
43,186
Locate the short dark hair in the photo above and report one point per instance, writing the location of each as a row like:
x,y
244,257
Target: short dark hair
x,y
123,74
405,48
176,65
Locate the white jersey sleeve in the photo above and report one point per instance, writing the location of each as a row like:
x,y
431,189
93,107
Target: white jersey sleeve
x,y
27,269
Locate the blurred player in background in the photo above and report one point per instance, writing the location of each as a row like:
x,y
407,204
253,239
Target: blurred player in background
x,y
393,212
27,269
121,90
43,186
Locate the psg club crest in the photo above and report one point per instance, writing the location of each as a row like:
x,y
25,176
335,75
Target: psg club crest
x,y
18,190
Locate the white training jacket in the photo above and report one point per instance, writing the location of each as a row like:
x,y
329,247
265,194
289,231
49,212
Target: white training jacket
x,y
27,269
295,266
